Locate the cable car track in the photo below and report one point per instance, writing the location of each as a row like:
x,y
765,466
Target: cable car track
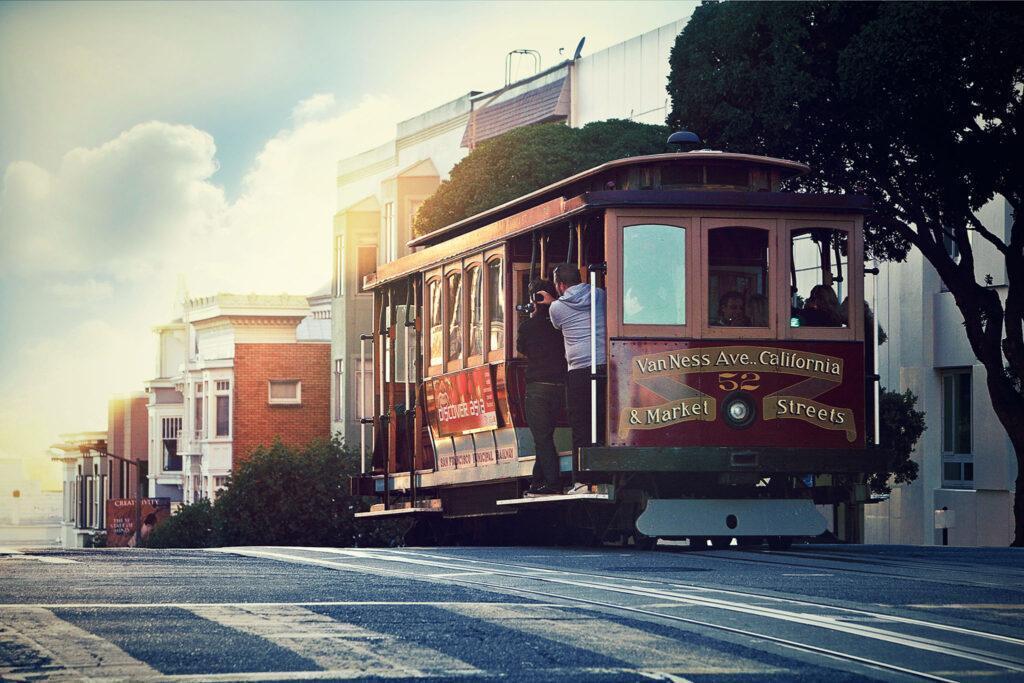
x,y
457,571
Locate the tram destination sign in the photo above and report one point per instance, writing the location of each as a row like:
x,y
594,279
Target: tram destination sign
x,y
691,384
462,402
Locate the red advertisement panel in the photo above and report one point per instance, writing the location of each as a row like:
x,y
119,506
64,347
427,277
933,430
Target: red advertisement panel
x,y
462,402
121,519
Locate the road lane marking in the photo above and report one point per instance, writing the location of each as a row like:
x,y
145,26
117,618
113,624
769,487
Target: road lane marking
x,y
190,605
625,643
808,574
45,559
335,644
820,621
78,653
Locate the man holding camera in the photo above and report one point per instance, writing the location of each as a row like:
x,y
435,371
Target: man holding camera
x,y
544,349
570,313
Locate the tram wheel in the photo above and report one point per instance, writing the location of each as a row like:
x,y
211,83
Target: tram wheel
x,y
780,542
720,542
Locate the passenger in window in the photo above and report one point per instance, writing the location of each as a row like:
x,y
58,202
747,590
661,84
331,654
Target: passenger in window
x,y
544,349
758,307
732,311
821,308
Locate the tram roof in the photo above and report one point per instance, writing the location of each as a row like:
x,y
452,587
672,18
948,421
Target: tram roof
x,y
549,205
787,167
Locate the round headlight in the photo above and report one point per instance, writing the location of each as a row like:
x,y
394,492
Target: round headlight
x,y
738,411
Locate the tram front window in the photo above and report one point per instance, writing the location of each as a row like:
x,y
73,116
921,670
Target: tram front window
x,y
654,275
817,278
738,278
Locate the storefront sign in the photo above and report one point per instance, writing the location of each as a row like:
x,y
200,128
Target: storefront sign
x,y
121,519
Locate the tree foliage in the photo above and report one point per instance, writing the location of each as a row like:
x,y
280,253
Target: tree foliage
x,y
901,426
529,158
280,496
916,105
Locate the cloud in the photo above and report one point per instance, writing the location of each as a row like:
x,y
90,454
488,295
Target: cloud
x,y
110,230
82,292
124,200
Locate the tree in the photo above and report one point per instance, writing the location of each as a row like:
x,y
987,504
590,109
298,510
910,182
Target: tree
x,y
526,159
190,527
918,106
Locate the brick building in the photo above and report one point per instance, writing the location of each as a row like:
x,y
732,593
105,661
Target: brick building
x,y
250,376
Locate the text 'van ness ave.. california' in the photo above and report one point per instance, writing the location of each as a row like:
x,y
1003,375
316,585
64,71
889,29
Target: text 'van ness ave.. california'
x,y
750,358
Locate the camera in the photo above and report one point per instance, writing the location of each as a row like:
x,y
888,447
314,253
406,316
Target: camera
x,y
526,308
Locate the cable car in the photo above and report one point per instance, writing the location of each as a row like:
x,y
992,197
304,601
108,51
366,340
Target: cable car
x,y
737,394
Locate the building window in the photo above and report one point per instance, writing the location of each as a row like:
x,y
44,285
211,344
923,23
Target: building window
x,y
223,415
957,441
285,391
339,388
367,263
654,275
199,411
390,240
339,266
170,431
223,386
363,389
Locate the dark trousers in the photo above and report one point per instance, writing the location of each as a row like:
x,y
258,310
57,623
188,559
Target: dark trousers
x,y
577,400
543,405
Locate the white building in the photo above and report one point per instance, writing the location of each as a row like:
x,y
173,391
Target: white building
x,y
85,484
166,412
967,464
380,190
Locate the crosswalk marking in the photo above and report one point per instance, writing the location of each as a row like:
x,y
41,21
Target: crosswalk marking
x,y
73,653
336,645
625,643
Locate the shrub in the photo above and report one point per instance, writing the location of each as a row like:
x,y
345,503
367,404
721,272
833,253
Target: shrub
x,y
190,527
286,496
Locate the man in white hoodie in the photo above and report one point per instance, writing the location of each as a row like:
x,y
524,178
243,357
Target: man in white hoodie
x,y
570,313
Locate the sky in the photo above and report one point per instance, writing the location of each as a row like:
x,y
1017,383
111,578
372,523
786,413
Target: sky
x,y
153,149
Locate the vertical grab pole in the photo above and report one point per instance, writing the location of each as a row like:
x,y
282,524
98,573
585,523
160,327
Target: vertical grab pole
x,y
593,357
362,404
874,369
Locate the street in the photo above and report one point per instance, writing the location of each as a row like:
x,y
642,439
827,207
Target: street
x,y
835,613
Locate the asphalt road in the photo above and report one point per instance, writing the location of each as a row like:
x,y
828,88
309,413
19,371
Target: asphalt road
x,y
816,613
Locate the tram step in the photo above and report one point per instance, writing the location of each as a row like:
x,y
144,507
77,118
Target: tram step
x,y
430,506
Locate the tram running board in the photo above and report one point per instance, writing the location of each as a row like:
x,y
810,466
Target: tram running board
x,y
563,498
432,506
739,517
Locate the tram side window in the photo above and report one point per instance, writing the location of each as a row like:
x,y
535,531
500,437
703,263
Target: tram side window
x,y
436,323
654,275
476,311
496,304
817,282
738,278
454,316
